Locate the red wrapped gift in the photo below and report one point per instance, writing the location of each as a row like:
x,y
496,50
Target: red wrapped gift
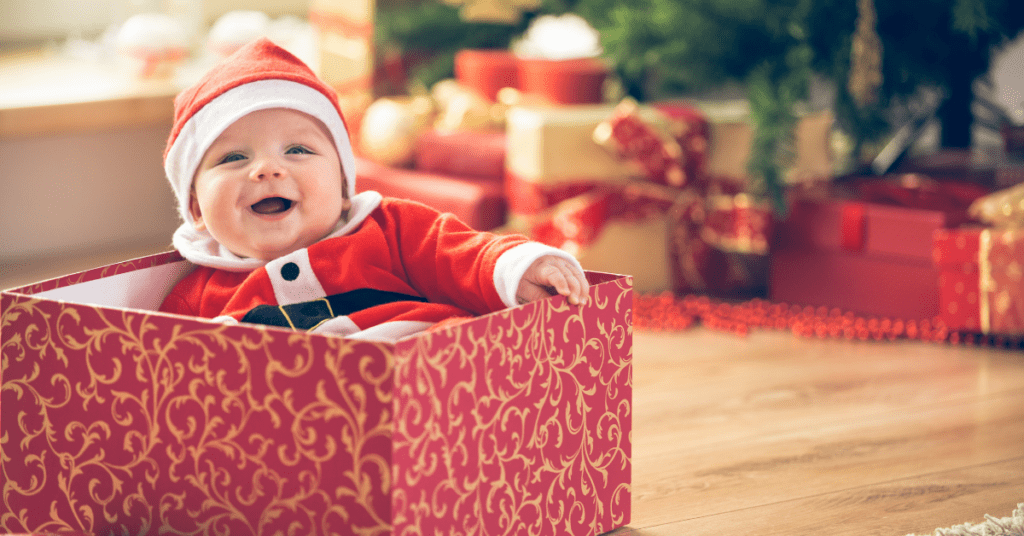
x,y
116,419
982,268
468,153
871,254
479,203
487,71
981,279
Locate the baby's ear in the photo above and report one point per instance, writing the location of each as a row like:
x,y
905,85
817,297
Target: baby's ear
x,y
197,214
346,202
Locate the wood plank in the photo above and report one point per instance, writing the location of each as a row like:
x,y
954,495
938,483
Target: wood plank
x,y
701,387
788,465
724,423
891,508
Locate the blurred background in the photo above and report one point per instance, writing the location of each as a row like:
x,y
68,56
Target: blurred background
x,y
86,88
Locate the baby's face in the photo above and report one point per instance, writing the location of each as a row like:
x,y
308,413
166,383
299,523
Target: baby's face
x,y
270,184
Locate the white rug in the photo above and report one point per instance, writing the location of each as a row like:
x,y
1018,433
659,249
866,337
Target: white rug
x,y
1007,526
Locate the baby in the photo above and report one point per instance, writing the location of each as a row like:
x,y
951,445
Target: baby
x,y
260,162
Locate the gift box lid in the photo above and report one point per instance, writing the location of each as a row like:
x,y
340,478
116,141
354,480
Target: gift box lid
x,y
547,143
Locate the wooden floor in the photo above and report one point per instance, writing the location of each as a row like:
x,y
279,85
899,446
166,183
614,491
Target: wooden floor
x,y
774,434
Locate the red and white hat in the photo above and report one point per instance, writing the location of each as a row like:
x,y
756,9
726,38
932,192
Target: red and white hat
x,y
258,76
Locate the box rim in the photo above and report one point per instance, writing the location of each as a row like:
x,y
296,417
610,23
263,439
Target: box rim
x,y
597,278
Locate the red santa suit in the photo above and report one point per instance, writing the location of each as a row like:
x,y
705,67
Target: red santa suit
x,y
394,268
390,269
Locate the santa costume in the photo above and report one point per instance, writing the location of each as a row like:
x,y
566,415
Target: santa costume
x,y
392,268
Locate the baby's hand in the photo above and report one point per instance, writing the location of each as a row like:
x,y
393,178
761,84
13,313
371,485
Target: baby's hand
x,y
550,275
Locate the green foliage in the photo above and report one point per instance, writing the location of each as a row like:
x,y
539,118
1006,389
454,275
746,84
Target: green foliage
x,y
662,48
665,47
438,29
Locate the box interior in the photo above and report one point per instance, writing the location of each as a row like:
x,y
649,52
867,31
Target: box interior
x,y
143,289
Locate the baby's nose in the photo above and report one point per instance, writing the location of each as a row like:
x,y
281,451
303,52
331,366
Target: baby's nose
x,y
268,168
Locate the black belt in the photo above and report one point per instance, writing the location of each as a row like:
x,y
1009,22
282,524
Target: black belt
x,y
308,315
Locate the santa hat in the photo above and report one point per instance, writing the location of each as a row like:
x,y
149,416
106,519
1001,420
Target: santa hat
x,y
258,76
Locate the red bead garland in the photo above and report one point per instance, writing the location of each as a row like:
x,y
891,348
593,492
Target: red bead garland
x,y
668,312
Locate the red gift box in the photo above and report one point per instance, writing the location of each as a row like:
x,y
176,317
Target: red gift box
x,y
487,71
464,153
119,419
478,203
981,280
872,258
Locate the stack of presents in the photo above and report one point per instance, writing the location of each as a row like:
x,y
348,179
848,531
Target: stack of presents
x,y
659,190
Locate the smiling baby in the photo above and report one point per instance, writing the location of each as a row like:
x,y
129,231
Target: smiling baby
x,y
260,161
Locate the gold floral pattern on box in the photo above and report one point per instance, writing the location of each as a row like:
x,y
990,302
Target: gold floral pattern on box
x,y
126,422
519,424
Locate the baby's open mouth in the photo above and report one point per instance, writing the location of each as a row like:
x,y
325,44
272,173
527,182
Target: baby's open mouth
x,y
272,205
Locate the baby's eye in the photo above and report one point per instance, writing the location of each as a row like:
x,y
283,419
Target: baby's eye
x,y
298,149
231,157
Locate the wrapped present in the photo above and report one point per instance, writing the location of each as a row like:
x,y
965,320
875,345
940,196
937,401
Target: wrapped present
x,y
870,250
622,227
487,71
552,154
478,202
981,279
731,138
981,269
464,153
665,223
117,419
667,239
692,131
719,243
